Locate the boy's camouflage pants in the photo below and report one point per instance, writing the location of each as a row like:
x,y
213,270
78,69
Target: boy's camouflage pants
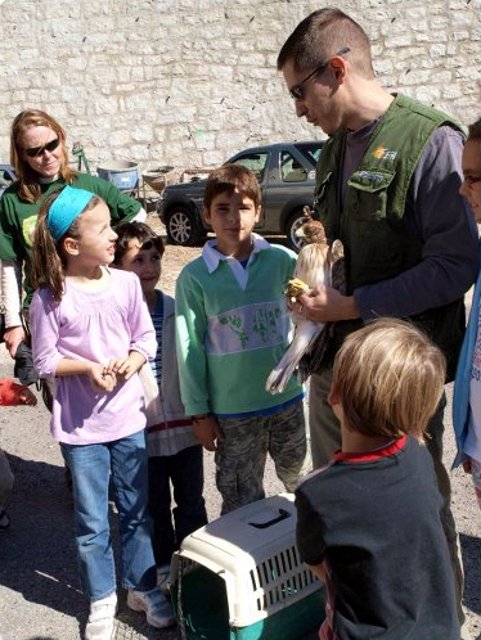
x,y
241,457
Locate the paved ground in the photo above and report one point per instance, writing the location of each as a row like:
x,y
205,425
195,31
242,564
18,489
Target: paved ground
x,y
39,592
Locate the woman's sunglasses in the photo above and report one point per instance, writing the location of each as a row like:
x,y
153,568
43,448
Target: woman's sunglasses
x,y
34,152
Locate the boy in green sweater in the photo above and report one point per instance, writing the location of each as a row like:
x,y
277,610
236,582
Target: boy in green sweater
x,y
232,328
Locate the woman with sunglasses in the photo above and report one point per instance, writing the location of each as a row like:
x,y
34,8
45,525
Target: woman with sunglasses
x,y
39,155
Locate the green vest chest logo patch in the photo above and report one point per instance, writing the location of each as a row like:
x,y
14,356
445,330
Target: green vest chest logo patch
x,y
385,156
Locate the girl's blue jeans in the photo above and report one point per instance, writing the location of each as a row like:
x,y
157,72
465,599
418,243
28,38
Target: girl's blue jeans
x,y
91,466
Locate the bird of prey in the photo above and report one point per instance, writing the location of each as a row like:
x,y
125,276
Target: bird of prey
x,y
314,267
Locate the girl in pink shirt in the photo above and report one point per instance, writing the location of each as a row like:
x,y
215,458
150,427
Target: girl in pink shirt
x,y
91,333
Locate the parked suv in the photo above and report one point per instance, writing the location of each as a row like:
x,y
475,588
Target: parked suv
x,y
286,173
7,176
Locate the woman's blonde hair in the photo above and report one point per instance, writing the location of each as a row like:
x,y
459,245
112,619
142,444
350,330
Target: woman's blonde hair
x,y
28,180
389,378
49,259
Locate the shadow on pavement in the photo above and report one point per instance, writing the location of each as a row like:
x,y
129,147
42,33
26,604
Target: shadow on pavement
x,y
38,555
471,552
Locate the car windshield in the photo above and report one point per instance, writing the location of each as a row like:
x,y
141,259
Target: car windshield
x,y
311,151
256,162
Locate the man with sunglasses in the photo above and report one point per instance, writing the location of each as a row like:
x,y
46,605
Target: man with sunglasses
x,y
387,186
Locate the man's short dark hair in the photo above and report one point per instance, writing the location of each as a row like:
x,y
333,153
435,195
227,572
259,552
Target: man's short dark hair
x,y
320,36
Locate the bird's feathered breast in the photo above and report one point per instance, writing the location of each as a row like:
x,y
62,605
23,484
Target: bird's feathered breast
x,y
312,264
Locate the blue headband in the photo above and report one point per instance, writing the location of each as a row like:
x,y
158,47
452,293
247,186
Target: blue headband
x,y
65,209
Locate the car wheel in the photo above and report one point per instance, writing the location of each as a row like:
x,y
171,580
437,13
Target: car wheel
x,y
295,220
184,227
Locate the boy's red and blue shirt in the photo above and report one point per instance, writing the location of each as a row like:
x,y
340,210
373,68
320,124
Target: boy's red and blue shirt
x,y
371,523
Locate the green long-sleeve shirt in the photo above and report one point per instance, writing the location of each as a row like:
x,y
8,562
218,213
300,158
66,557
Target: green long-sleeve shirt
x,y
231,334
18,218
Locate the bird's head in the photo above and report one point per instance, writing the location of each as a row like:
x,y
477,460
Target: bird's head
x,y
312,231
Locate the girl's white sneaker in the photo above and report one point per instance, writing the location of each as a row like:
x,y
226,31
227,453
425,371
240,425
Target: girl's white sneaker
x,y
154,604
100,625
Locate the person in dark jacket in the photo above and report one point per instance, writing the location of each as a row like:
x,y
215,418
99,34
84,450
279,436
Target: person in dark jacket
x,y
387,186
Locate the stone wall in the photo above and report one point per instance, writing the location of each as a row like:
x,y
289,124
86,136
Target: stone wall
x,y
189,82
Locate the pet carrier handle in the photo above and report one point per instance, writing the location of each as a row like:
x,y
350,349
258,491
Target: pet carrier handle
x,y
283,514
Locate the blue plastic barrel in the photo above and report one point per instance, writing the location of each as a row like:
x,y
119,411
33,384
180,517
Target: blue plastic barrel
x,y
124,174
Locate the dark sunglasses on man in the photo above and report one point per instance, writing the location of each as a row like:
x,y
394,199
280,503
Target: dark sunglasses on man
x,y
297,92
34,152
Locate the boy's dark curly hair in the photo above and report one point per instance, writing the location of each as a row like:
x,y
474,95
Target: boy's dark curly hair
x,y
138,231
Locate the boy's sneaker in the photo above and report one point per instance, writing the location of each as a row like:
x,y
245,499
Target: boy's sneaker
x,y
100,625
163,579
154,604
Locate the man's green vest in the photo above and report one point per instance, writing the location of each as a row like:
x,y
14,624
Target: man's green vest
x,y
376,243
